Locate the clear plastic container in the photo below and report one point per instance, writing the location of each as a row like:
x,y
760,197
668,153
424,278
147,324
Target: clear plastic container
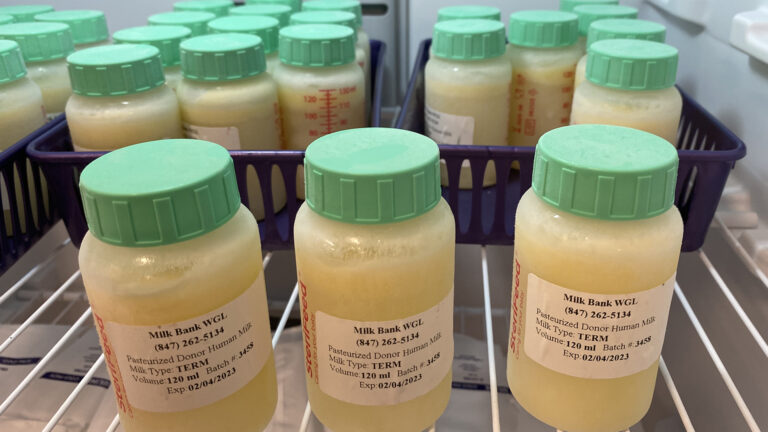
x,y
234,105
136,107
280,12
466,95
594,274
589,13
21,102
176,285
630,83
164,38
359,258
89,27
24,13
219,8
197,22
267,28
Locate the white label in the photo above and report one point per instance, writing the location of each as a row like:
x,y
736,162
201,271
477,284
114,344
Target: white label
x,y
227,137
448,128
595,335
193,363
384,362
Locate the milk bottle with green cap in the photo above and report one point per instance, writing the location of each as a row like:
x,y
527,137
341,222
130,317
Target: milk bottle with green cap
x,y
543,52
295,5
227,97
618,29
376,306
45,47
630,83
590,13
197,22
466,94
173,271
266,28
597,240
468,12
280,12
164,38
89,27
24,13
120,98
569,5
219,8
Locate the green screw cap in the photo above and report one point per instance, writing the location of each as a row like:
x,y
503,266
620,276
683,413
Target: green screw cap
x,y
372,175
6,19
195,21
629,64
295,5
88,26
267,28
625,29
468,12
352,6
40,41
114,70
164,38
317,45
470,39
11,62
569,5
222,57
591,13
25,13
217,7
543,29
159,192
605,172
280,12
346,19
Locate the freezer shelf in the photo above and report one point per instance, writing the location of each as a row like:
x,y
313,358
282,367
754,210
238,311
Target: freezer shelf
x,y
707,381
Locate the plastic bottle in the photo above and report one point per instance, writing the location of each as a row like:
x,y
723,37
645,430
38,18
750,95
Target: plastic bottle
x,y
264,27
227,97
618,29
630,83
195,21
295,5
24,13
597,240
375,260
21,102
592,12
45,47
173,272
219,8
468,12
89,27
164,38
466,96
280,12
569,5
120,98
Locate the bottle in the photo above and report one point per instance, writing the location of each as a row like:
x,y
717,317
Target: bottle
x,y
266,28
592,12
468,12
173,271
597,240
164,38
373,196
280,12
295,5
89,27
21,102
227,97
45,47
544,53
195,21
630,83
569,5
618,29
120,98
24,13
219,8
466,95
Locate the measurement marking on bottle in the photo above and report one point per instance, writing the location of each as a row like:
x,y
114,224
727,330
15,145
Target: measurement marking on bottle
x,y
328,110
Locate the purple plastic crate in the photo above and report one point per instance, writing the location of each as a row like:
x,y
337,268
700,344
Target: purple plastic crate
x,y
707,150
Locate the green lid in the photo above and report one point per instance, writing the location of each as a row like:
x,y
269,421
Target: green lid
x,y
11,62
216,7
195,21
605,172
88,26
113,70
625,29
468,12
6,19
159,192
569,5
372,175
352,6
543,28
25,13
164,38
346,19
630,64
317,45
591,13
40,41
222,57
295,5
267,28
280,12
470,39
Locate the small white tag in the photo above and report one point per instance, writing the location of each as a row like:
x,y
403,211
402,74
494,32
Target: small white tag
x,y
227,137
448,128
